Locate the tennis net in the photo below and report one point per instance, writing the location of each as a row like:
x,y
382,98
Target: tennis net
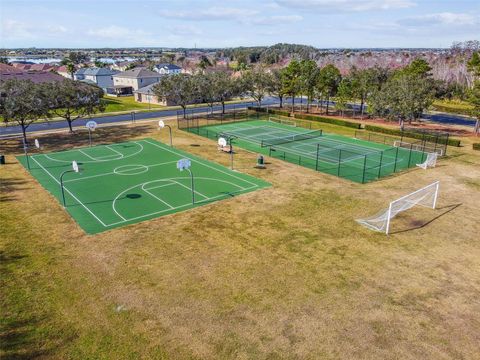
x,y
291,138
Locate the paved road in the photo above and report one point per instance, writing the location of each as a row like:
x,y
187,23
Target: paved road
x,y
441,118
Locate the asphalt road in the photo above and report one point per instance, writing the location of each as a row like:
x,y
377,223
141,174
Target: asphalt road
x,y
7,131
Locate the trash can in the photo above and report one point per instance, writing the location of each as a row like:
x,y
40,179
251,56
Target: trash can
x,y
2,159
260,162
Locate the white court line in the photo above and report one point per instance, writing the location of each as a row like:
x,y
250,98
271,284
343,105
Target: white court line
x,y
175,208
156,197
58,182
111,148
84,153
199,162
113,173
173,181
95,161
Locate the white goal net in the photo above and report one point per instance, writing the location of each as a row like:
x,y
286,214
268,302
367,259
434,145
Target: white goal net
x,y
430,161
418,147
426,196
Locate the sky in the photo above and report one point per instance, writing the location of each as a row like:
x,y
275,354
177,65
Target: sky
x,y
211,23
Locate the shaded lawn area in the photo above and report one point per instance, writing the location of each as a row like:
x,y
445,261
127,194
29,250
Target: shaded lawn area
x,y
284,273
125,103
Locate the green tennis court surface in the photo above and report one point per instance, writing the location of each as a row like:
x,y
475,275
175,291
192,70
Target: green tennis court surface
x,y
350,158
129,182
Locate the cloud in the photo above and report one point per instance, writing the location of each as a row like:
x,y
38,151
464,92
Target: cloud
x,y
210,14
276,20
185,30
13,29
114,32
347,5
445,18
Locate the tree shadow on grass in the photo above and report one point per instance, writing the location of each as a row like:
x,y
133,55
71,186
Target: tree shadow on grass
x,y
8,188
421,224
67,141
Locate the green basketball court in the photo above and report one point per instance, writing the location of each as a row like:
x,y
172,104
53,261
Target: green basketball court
x,y
125,183
350,158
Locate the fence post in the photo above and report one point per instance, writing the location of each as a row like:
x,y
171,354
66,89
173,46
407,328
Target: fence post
x,y
410,155
380,165
339,161
396,158
364,168
316,161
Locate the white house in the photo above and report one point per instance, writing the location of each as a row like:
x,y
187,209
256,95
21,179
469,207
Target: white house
x,y
167,69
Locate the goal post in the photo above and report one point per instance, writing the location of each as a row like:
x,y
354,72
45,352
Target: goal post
x,y
426,196
430,161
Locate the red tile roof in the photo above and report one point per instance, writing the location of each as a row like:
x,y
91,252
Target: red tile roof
x,y
35,76
4,68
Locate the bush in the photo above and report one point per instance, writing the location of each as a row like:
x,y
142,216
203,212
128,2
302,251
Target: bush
x,y
270,111
413,135
338,122
476,146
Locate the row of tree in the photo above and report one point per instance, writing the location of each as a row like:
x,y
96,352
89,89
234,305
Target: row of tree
x,y
23,102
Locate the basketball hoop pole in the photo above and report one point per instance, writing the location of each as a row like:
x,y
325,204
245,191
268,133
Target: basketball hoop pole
x,y
25,149
193,189
90,137
61,184
170,131
231,152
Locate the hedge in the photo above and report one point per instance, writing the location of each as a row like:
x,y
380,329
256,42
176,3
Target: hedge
x,y
270,111
396,132
476,146
450,110
328,120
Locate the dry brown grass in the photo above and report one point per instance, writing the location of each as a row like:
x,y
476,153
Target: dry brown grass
x,y
284,273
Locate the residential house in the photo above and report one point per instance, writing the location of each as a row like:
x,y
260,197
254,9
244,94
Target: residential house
x,y
121,65
63,71
126,82
167,69
102,77
146,95
4,68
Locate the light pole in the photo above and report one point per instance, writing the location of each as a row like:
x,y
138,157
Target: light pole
x,y
73,169
162,125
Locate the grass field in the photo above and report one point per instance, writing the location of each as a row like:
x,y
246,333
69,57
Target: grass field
x,y
285,275
124,183
126,103
334,154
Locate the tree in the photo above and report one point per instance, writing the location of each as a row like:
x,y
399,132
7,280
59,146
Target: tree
x,y
206,86
256,83
23,102
418,67
180,89
70,69
276,86
404,97
328,79
474,100
344,94
291,80
473,65
204,62
72,100
4,60
225,87
309,79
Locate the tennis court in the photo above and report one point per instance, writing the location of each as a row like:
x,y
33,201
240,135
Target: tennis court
x,y
349,158
125,183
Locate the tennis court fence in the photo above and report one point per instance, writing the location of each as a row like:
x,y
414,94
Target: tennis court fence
x,y
349,163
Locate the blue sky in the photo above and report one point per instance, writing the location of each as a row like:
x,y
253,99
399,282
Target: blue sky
x,y
182,23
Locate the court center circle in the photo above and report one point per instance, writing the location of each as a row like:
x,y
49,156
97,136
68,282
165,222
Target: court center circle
x,y
130,169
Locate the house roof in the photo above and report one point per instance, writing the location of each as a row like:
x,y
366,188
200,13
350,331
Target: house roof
x,y
100,71
4,68
41,67
35,76
80,71
137,73
146,89
168,67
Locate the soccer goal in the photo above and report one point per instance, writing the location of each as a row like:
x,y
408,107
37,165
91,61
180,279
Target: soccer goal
x,y
418,147
282,121
430,161
426,196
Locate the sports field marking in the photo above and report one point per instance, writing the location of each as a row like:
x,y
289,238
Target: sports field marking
x,y
129,190
70,193
49,156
